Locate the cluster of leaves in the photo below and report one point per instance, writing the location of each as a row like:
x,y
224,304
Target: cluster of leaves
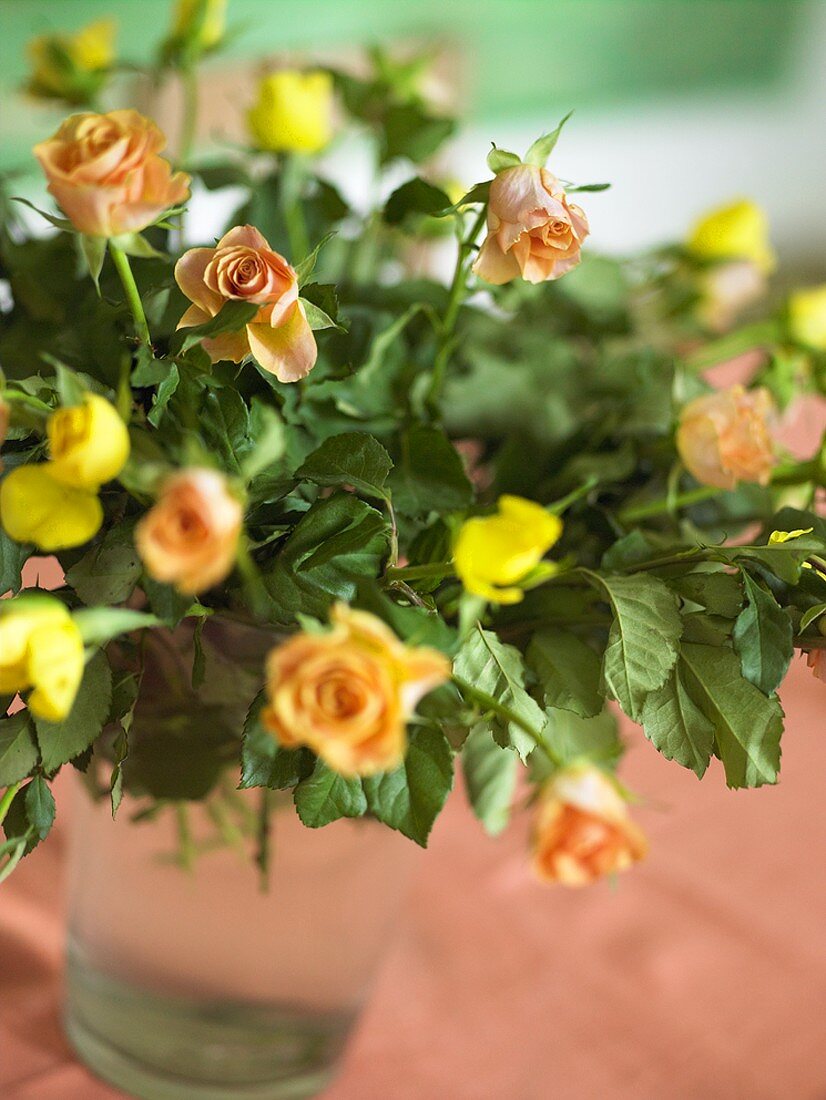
x,y
355,481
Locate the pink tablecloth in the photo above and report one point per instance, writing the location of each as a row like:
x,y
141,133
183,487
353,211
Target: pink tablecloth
x,y
702,975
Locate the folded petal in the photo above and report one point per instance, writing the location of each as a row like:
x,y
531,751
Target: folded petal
x,y
189,275
493,265
288,351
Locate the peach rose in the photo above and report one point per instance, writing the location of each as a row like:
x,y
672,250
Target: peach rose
x,y
348,694
816,660
106,175
533,231
190,537
244,267
582,829
724,437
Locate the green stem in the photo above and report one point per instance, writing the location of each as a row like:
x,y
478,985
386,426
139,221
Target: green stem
x,y
189,82
130,288
490,703
658,507
456,295
186,847
292,180
758,335
419,572
7,799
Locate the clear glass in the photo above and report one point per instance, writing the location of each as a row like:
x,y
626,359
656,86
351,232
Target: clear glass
x,y
196,984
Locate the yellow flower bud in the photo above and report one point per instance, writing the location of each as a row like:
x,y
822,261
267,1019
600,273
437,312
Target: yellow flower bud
x,y
66,65
40,648
737,231
293,113
88,443
494,553
35,507
807,317
202,20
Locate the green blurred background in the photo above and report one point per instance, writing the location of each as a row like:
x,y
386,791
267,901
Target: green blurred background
x,y
680,103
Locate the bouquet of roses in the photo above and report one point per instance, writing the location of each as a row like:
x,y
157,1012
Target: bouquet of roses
x,y
327,527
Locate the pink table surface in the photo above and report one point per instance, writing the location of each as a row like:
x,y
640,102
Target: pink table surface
x,y
703,974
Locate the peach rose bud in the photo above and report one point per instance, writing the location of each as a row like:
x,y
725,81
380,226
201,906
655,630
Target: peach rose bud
x,y
190,537
582,830
243,267
349,693
724,437
534,232
106,175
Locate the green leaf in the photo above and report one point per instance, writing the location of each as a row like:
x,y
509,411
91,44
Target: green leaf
x,y
58,223
216,176
13,556
233,316
224,424
479,193
108,573
763,638
307,266
719,592
317,319
352,458
812,615
429,475
747,724
409,799
40,807
574,737
490,778
265,763
411,131
18,749
61,741
266,430
93,250
588,187
543,146
99,625
497,669
568,670
676,726
133,244
165,392
325,796
500,159
642,642
336,542
417,196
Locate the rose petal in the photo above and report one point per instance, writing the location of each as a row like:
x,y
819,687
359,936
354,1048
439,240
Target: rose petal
x,y
288,351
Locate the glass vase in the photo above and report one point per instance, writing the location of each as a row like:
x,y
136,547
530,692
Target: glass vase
x,y
187,980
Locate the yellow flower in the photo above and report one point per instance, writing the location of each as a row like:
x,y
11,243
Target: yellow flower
x,y
69,66
737,231
88,443
785,536
35,507
807,317
203,21
293,113
494,553
349,693
40,648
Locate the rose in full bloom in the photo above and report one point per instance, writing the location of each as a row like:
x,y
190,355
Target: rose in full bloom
x,y
40,648
494,553
35,507
200,21
724,437
293,113
88,443
807,317
244,267
72,66
533,230
582,830
106,175
736,231
349,693
189,538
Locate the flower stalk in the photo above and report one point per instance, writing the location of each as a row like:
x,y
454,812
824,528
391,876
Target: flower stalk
x,y
130,289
